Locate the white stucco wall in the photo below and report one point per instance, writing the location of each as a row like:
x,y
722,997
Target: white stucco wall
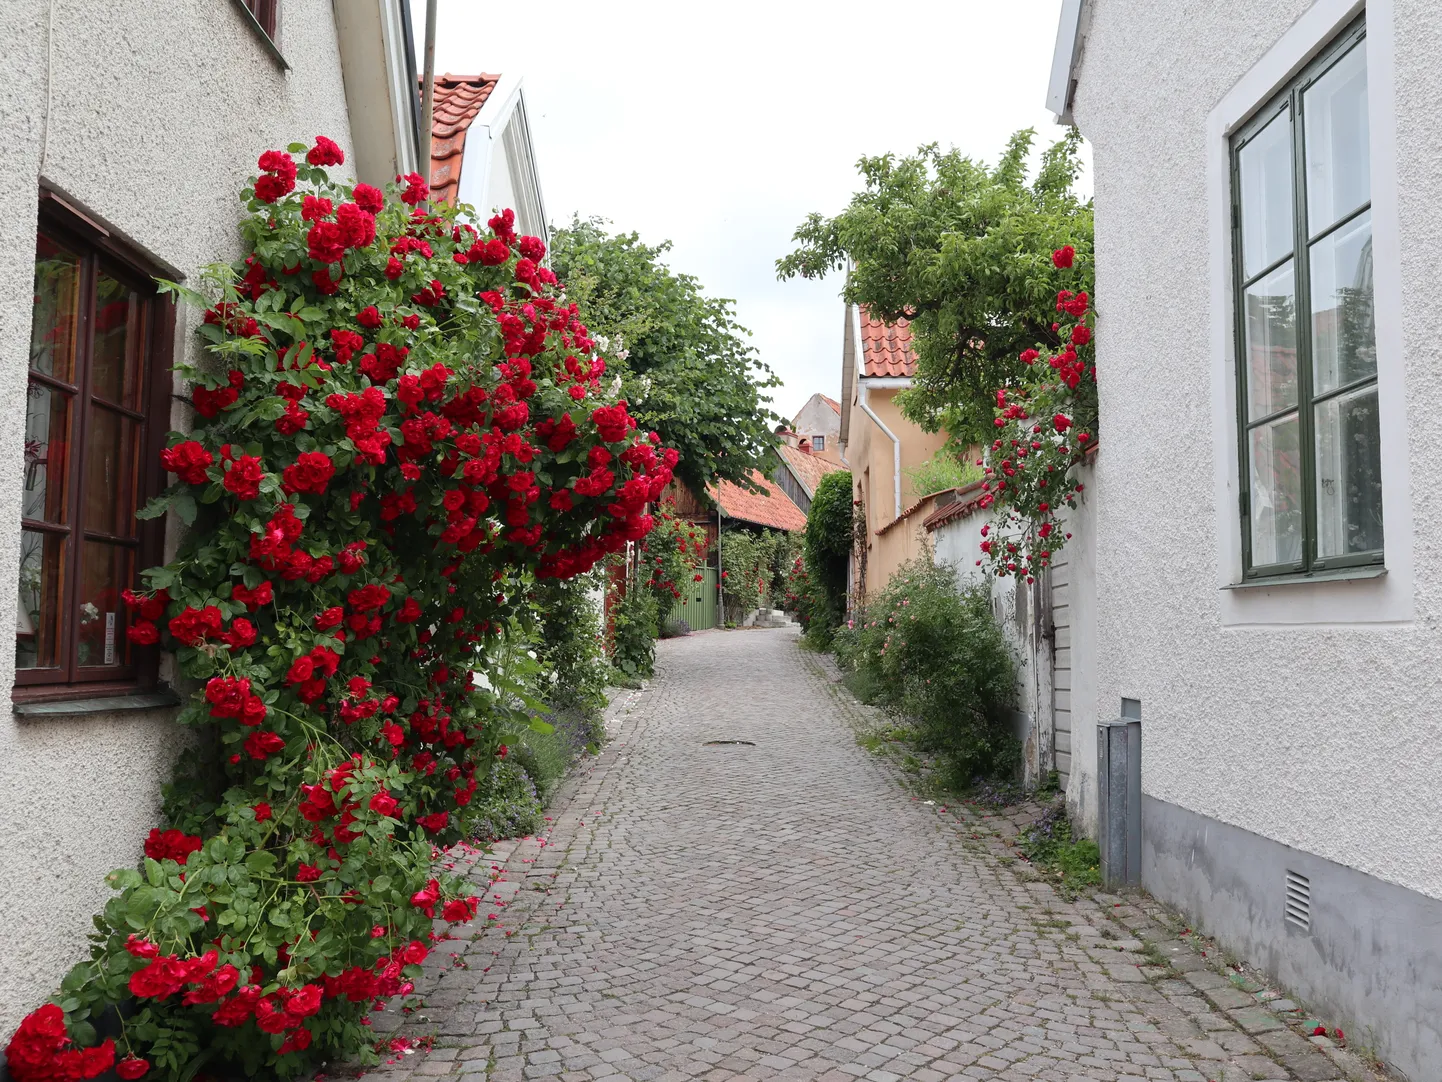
x,y
817,418
1319,732
157,112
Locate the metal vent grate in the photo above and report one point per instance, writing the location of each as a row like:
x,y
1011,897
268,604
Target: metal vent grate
x,y
1299,901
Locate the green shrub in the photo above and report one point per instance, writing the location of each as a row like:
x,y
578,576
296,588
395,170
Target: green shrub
x,y
1049,844
934,653
633,622
942,471
827,554
569,645
506,804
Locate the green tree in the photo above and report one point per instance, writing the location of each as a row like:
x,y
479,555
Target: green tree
x,y
687,370
964,252
827,551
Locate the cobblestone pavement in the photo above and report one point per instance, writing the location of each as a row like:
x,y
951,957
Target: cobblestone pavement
x,y
788,911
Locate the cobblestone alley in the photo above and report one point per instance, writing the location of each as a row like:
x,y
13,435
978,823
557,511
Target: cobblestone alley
x,y
788,911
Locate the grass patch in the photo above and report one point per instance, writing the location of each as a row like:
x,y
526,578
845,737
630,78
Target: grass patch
x,y
1075,863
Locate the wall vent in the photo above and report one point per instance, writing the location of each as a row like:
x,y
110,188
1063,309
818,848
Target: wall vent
x,y
1299,901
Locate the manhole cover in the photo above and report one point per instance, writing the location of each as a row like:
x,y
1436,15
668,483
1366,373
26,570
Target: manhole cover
x,y
714,743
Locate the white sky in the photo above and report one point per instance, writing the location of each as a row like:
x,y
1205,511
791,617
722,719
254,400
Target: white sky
x,y
720,126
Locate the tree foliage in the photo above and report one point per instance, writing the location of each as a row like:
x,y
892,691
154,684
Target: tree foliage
x,y
963,251
827,550
686,368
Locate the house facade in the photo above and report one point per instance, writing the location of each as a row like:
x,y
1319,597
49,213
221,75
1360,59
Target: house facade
x,y
800,470
879,445
1269,206
481,149
131,130
819,423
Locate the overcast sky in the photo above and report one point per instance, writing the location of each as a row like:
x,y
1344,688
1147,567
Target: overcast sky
x,y
720,126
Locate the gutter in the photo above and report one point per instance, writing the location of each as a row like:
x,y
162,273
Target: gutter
x,y
1064,61
895,442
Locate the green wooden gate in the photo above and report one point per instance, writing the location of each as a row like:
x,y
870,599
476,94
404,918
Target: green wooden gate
x,y
698,601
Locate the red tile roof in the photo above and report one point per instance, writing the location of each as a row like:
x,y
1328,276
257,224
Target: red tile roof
x,y
833,404
886,348
771,507
458,98
808,469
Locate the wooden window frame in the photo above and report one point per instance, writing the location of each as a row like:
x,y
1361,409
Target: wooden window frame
x,y
1288,100
96,247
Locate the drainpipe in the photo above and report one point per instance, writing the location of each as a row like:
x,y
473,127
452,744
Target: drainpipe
x,y
428,90
895,443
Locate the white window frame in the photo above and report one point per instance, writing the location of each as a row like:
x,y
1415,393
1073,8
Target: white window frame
x,y
1386,599
818,443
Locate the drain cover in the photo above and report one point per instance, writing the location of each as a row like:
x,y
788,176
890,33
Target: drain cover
x,y
714,743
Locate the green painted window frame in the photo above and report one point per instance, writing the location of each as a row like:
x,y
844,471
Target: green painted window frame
x,y
1288,101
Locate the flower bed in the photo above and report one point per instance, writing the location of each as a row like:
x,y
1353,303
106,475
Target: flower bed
x,y
400,423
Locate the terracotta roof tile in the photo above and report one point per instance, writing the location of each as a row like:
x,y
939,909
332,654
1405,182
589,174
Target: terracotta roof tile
x,y
458,98
886,348
832,403
771,507
808,469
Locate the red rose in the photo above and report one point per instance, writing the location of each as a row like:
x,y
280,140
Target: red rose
x,y
262,812
357,225
1061,422
1081,335
308,873
132,1067
311,472
193,626
188,461
368,197
458,910
242,634
143,633
1062,257
385,804
370,317
244,477
326,242
173,845
416,189
325,152
262,744
252,599
394,268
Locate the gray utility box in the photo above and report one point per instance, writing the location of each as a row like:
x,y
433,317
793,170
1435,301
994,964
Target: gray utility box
x,y
1119,812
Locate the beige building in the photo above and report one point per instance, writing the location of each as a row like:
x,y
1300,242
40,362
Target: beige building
x,y
819,424
878,445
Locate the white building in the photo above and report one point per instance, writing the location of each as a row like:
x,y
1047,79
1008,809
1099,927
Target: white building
x,y
130,130
1268,218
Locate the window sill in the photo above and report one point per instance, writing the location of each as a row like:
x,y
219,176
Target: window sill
x,y
110,704
265,39
1340,574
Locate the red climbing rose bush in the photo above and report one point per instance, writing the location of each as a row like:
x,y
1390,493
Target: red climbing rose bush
x,y
671,557
399,424
1046,422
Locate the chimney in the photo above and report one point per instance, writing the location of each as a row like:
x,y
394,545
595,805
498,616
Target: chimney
x,y
804,446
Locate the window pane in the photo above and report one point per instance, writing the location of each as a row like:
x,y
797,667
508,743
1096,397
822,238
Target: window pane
x,y
39,623
1349,474
57,310
1338,163
110,464
1271,329
115,368
1276,496
1344,338
1265,165
47,453
106,570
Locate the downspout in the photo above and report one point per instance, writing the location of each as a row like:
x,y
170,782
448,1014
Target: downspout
x,y
428,90
895,443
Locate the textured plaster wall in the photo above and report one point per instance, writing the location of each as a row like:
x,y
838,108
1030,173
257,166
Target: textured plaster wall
x,y
1325,738
816,418
157,112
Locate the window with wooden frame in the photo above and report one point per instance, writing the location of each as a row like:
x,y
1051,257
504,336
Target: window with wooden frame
x,y
818,443
96,416
1306,347
264,13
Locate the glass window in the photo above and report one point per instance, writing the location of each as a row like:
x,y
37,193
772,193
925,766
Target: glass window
x,y
818,443
91,361
1306,336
